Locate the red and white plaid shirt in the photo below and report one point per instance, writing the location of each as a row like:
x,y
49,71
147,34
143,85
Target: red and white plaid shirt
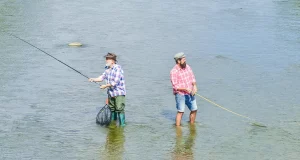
x,y
182,78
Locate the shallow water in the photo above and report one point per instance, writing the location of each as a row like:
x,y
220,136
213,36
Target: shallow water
x,y
244,55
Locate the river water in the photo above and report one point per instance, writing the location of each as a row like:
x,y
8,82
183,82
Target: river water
x,y
244,54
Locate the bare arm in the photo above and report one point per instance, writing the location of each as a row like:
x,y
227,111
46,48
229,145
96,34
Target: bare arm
x,y
98,79
105,86
182,89
194,90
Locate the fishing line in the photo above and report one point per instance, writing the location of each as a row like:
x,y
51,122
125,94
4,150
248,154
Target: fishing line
x,y
47,54
104,115
253,123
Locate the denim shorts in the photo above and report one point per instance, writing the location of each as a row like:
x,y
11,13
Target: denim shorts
x,y
188,100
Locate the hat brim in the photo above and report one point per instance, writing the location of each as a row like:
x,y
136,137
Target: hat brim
x,y
176,58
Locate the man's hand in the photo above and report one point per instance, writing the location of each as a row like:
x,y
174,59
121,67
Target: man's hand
x,y
91,79
103,86
188,91
99,79
184,90
194,90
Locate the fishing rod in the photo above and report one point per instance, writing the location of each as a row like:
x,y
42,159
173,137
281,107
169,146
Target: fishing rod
x,y
47,54
102,117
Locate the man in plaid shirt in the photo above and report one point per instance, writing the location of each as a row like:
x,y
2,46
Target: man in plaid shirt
x,y
184,88
115,84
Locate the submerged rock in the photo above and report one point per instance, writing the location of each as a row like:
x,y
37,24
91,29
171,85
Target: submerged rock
x,y
75,44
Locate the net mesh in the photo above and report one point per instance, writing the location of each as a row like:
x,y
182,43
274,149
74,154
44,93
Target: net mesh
x,y
104,116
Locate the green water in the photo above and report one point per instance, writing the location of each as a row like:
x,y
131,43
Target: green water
x,y
244,55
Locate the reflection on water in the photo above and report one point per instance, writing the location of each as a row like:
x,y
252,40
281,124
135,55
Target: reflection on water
x,y
184,144
48,111
114,146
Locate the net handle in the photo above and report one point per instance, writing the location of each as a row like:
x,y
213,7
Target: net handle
x,y
106,101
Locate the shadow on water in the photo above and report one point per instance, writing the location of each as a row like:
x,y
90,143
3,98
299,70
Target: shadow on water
x,y
114,146
168,114
184,144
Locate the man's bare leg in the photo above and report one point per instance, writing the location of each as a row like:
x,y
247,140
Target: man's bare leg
x,y
178,118
193,116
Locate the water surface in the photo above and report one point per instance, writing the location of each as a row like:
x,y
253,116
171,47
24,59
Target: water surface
x,y
244,55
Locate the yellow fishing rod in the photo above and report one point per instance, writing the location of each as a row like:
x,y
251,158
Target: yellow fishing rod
x,y
254,123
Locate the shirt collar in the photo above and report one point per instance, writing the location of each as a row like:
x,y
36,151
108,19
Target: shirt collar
x,y
106,67
113,66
